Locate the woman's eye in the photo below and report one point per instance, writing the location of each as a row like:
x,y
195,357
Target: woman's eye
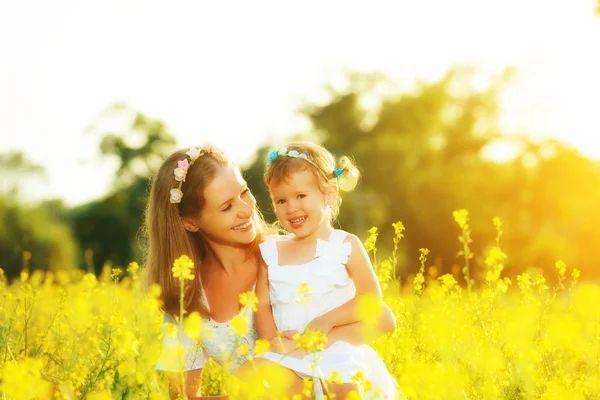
x,y
227,208
301,196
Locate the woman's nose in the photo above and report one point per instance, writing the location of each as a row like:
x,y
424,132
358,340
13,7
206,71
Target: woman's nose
x,y
245,210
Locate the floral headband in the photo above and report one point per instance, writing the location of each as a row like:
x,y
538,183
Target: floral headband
x,y
283,152
184,165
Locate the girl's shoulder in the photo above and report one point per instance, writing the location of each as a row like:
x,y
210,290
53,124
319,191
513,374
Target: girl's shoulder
x,y
278,238
268,248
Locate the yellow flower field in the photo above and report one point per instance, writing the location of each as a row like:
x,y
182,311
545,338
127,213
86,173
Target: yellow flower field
x,y
72,335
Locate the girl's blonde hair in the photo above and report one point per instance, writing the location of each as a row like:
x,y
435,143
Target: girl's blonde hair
x,y
167,239
320,162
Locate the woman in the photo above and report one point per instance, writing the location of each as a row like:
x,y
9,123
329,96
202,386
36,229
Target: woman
x,y
201,206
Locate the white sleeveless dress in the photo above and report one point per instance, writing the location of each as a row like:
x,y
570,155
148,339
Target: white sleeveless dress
x,y
218,343
331,287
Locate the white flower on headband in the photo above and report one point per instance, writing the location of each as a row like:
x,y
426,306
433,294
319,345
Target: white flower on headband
x,y
193,153
179,174
282,151
176,195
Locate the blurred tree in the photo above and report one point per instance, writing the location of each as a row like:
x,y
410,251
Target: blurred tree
x,y
140,149
421,154
107,228
14,167
31,236
34,237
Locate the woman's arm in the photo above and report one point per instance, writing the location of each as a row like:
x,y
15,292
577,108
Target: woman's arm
x,y
265,324
192,382
368,290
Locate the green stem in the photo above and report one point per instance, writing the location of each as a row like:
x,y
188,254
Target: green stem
x,y
181,310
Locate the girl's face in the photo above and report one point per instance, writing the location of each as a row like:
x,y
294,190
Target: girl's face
x,y
228,214
301,207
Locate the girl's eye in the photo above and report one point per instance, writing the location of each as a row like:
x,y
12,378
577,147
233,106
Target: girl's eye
x,y
227,208
301,196
281,201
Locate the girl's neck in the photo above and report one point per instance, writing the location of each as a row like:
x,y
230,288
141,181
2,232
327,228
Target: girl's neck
x,y
322,232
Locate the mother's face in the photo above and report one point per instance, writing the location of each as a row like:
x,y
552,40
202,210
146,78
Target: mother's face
x,y
228,214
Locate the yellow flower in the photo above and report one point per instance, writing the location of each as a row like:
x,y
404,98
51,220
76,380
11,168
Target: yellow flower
x,y
23,380
335,377
498,225
418,282
303,293
398,229
261,346
461,217
310,341
133,267
243,350
307,387
182,268
170,330
447,281
249,298
561,267
115,273
495,257
524,282
192,325
240,324
371,240
100,395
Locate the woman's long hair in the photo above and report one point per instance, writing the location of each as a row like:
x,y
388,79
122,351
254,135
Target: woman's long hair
x,y
166,238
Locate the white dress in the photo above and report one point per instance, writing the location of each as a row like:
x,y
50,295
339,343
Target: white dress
x,y
331,287
218,342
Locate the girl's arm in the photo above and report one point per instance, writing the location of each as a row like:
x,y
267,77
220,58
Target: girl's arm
x,y
265,324
358,333
367,286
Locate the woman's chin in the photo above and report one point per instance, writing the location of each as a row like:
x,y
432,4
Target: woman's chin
x,y
244,237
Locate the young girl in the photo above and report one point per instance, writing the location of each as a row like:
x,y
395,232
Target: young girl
x,y
304,183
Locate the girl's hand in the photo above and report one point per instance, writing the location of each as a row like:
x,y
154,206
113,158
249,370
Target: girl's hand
x,y
320,324
285,346
289,334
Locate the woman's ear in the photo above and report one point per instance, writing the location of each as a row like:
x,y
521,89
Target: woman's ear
x,y
189,224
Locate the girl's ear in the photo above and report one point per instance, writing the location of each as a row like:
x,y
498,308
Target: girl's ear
x,y
331,195
189,224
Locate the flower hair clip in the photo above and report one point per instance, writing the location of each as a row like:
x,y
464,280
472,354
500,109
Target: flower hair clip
x,y
182,168
283,152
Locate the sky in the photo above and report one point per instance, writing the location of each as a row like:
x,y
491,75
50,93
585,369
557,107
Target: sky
x,y
235,72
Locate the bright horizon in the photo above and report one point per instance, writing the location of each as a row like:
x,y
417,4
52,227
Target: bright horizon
x,y
237,72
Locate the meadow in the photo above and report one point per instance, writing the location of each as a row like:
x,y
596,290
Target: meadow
x,y
471,334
